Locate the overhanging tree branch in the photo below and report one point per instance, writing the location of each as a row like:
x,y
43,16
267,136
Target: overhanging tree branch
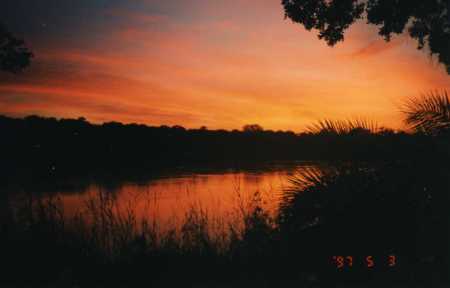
x,y
14,54
426,21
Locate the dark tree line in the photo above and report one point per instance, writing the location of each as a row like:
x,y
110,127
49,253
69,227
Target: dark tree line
x,y
49,147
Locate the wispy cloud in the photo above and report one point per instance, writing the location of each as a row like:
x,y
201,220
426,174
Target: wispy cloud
x,y
29,98
132,17
377,47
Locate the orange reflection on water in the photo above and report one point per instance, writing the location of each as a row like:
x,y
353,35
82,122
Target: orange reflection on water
x,y
167,201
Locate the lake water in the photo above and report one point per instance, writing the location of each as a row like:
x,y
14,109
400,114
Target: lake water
x,y
167,198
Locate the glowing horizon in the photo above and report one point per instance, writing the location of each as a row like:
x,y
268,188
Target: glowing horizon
x,y
220,65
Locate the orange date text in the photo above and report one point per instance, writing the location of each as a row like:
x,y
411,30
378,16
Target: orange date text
x,y
341,262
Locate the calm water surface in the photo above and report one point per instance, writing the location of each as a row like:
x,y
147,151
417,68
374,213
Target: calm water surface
x,y
166,199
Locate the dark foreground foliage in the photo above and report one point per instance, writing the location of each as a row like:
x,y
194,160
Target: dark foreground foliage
x,y
349,209
362,210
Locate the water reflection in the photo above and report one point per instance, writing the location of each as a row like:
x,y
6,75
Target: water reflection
x,y
166,199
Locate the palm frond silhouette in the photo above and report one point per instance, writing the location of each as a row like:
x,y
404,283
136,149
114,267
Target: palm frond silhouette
x,y
429,114
341,127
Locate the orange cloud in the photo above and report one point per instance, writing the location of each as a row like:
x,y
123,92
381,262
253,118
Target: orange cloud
x,y
377,47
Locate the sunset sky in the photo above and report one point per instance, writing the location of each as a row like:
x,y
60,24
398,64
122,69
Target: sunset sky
x,y
221,64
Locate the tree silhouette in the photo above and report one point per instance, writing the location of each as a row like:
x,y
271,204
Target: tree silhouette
x,y
426,21
252,128
14,55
